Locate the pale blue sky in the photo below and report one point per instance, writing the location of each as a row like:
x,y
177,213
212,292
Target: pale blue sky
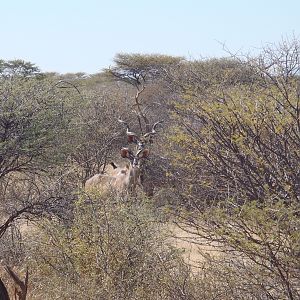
x,y
84,35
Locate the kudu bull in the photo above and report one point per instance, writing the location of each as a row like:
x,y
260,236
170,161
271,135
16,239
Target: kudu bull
x,y
128,178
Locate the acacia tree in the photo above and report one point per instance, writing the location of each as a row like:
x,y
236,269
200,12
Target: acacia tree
x,y
241,140
18,67
141,71
34,122
237,154
29,122
146,104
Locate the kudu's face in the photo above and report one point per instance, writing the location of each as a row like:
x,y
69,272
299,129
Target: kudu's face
x,y
134,158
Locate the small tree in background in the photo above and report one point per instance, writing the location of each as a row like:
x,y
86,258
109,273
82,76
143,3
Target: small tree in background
x,y
18,67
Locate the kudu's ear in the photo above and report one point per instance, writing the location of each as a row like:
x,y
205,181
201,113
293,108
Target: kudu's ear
x,y
113,165
125,152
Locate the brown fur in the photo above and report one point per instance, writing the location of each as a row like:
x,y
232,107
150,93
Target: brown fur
x,y
118,179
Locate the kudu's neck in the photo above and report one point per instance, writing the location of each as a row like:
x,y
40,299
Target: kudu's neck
x,y
133,175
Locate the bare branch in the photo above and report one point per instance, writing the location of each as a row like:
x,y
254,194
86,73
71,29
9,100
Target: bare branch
x,y
22,285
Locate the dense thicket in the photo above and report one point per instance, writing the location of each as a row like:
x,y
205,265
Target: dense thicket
x,y
225,167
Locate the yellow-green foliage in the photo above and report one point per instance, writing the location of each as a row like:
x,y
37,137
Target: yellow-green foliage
x,y
113,249
231,154
262,240
239,140
252,250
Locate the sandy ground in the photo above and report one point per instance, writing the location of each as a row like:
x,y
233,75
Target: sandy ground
x,y
194,249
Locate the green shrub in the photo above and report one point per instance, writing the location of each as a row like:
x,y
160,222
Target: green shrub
x,y
114,249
